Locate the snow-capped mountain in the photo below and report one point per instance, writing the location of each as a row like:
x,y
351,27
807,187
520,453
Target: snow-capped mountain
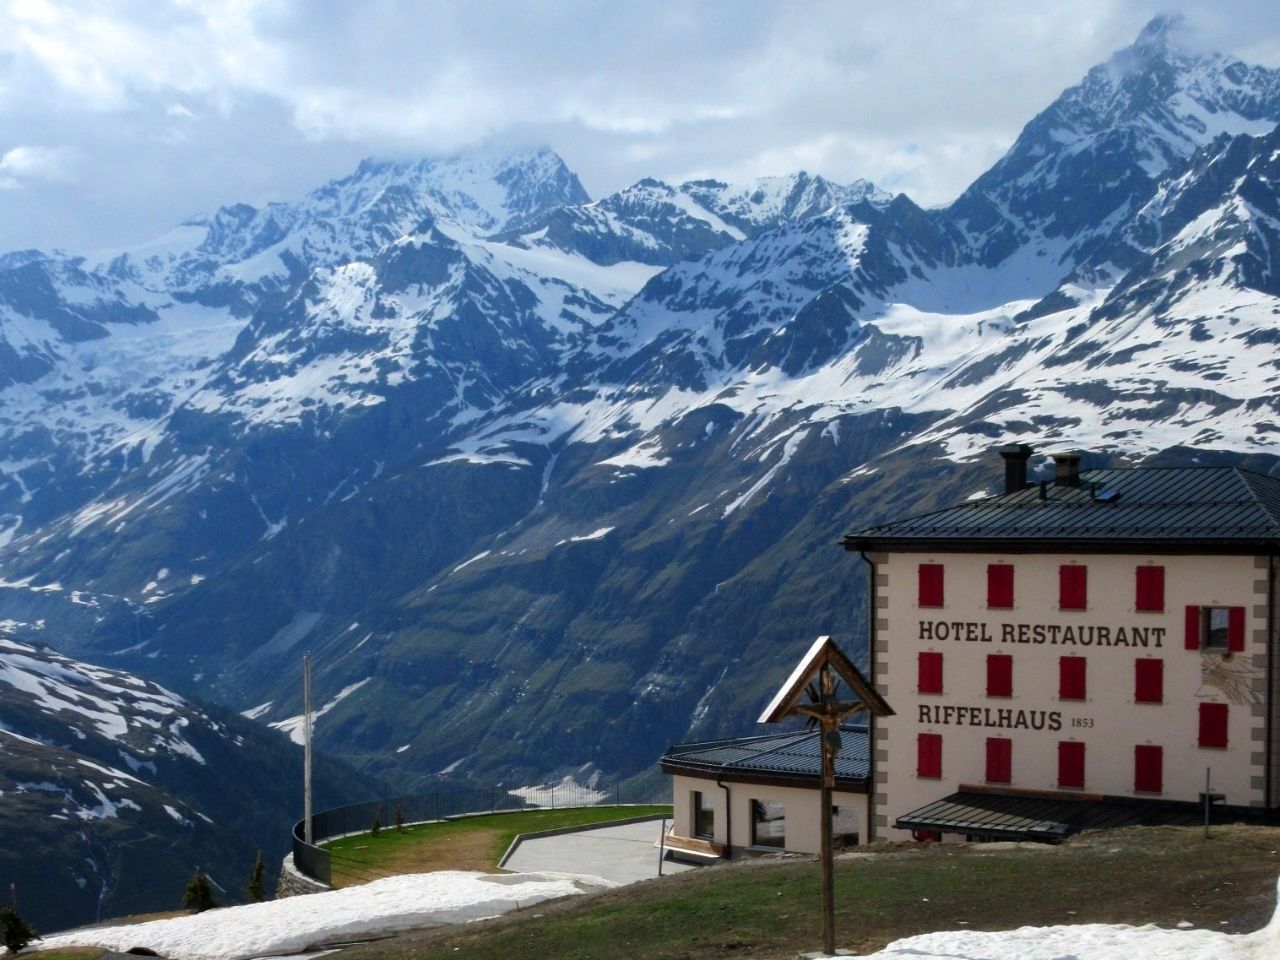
x,y
546,483
1081,168
374,291
353,217
115,789
655,223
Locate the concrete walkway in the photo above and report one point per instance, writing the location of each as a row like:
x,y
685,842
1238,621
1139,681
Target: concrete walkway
x,y
623,854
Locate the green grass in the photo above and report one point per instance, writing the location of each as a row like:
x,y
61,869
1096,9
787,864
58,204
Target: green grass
x,y
470,843
770,909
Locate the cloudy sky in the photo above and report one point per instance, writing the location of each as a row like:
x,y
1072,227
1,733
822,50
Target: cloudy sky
x,y
120,118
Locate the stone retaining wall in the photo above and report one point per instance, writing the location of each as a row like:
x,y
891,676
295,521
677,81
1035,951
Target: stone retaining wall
x,y
293,883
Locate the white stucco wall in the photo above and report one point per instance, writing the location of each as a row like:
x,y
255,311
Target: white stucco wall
x,y
803,827
1109,721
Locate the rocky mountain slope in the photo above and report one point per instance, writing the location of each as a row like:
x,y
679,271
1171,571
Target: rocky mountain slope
x,y
116,789
545,483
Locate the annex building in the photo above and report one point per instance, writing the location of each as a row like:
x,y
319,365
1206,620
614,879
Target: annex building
x,y
1074,652
761,793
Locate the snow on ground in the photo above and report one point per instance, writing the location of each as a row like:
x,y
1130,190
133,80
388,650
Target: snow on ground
x,y
431,899
293,924
1092,941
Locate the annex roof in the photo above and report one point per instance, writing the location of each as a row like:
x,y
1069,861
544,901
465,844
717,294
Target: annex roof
x,y
773,757
1003,816
1217,509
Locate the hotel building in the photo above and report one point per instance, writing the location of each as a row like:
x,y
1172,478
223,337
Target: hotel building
x,y
1082,651
1086,651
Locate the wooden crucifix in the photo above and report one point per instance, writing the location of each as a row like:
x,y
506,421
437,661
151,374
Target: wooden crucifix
x,y
817,676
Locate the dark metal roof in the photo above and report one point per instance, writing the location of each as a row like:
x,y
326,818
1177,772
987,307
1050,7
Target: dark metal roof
x,y
1212,507
1000,816
780,755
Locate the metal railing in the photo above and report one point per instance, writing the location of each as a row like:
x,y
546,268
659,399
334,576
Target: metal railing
x,y
314,861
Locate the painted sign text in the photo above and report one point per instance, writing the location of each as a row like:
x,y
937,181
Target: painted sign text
x,y
1002,718
1057,634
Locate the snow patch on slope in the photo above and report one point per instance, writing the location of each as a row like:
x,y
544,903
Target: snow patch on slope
x,y
293,726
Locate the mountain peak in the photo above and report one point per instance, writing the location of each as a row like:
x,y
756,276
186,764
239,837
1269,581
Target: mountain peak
x,y
1160,35
1145,110
488,189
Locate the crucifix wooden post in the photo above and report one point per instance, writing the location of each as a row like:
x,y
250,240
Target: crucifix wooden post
x,y
818,674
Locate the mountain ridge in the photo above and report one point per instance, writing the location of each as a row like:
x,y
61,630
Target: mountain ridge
x,y
117,789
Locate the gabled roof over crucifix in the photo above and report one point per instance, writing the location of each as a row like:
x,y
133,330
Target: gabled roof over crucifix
x,y
823,653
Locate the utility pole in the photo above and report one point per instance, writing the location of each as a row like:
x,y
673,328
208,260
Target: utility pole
x,y
306,747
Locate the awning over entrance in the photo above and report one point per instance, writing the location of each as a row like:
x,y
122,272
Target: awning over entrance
x,y
1002,816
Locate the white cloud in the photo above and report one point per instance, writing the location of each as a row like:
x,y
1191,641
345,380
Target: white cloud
x,y
180,105
23,165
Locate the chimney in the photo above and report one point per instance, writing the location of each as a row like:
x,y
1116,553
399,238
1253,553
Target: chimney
x,y
1066,469
1015,456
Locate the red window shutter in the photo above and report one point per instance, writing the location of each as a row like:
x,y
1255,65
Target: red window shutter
x,y
999,760
1071,678
929,755
1000,586
1148,680
1073,589
930,670
1148,769
999,675
1213,724
930,584
1193,628
1071,764
1150,589
1235,629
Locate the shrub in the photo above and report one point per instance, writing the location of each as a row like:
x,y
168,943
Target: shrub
x,y
375,828
399,816
15,932
257,889
199,896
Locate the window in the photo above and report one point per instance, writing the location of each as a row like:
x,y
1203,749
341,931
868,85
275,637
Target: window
x,y
1071,678
1150,593
704,815
844,826
930,584
999,760
1000,586
1216,629
1073,587
1071,764
1148,681
768,823
930,673
1213,725
1148,769
999,675
929,755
